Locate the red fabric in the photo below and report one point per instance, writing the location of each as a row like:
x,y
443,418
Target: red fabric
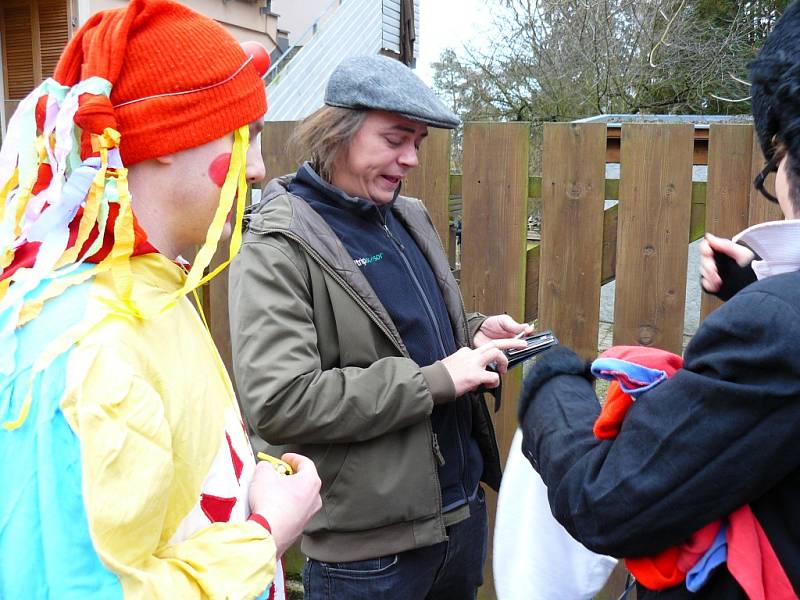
x,y
40,113
652,358
617,402
616,406
216,508
272,587
752,560
659,571
237,462
25,255
693,550
261,521
43,178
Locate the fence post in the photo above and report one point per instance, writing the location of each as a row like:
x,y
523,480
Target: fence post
x,y
730,157
573,194
653,242
430,181
274,138
495,192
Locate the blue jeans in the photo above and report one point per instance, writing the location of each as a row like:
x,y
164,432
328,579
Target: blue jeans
x,y
451,569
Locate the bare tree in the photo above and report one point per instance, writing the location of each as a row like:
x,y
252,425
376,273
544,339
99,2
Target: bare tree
x,y
563,59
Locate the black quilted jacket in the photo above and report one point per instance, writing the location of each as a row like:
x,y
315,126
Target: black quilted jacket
x,y
724,431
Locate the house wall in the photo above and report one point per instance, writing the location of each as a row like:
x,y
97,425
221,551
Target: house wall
x,y
242,18
295,16
391,25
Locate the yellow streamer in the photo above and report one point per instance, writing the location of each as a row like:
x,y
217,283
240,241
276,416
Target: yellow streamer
x,y
26,190
123,244
31,309
50,353
108,139
235,186
88,220
12,182
200,310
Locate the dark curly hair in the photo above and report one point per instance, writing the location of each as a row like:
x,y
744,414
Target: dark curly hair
x,y
775,77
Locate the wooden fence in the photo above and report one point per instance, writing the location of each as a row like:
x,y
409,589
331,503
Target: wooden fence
x,y
642,241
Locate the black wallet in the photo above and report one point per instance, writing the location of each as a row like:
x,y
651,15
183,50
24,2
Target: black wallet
x,y
536,343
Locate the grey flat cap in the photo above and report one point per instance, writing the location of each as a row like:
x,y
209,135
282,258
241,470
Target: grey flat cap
x,y
381,83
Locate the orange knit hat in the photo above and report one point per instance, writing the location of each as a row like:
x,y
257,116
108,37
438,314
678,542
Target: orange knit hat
x,y
134,83
178,79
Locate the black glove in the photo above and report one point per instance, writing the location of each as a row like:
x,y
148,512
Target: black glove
x,y
559,360
734,278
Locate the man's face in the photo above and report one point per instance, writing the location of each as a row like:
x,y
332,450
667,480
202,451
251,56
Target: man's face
x,y
204,168
379,157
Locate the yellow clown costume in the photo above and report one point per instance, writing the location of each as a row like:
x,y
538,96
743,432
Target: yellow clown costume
x,y
124,459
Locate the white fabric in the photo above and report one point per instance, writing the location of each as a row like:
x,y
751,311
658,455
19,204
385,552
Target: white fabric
x,y
534,556
777,243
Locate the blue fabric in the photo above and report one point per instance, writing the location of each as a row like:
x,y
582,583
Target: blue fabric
x,y
611,368
44,535
402,278
451,569
716,555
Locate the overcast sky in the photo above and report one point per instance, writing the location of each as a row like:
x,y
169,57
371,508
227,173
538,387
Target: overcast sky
x,y
448,24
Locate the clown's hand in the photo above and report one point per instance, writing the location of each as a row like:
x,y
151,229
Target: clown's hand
x,y
287,502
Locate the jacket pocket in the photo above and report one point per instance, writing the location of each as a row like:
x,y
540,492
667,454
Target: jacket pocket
x,y
362,569
390,479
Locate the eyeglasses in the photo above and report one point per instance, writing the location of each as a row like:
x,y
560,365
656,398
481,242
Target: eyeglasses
x,y
761,178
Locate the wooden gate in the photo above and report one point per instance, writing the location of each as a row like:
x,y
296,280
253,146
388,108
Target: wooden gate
x,y
641,241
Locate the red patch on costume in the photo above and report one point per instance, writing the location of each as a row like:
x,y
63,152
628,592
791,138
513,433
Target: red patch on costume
x,y
218,169
237,462
217,509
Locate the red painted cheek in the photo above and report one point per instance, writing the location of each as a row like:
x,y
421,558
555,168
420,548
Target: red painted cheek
x,y
218,168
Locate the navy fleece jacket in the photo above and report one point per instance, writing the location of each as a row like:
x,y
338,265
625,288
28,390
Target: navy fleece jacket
x,y
397,270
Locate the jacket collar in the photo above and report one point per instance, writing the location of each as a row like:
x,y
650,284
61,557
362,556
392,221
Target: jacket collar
x,y
777,244
306,175
281,211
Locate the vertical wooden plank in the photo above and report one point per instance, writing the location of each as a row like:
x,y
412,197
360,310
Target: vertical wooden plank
x,y
610,226
573,190
532,282
495,195
761,209
730,157
273,148
652,246
430,181
216,309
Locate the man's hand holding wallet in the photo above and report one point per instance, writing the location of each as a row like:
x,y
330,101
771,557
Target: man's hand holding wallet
x,y
535,344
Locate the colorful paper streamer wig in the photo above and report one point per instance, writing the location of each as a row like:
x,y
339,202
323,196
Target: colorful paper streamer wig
x,y
53,203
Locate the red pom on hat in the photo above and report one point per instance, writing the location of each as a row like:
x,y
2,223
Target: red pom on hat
x,y
260,56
